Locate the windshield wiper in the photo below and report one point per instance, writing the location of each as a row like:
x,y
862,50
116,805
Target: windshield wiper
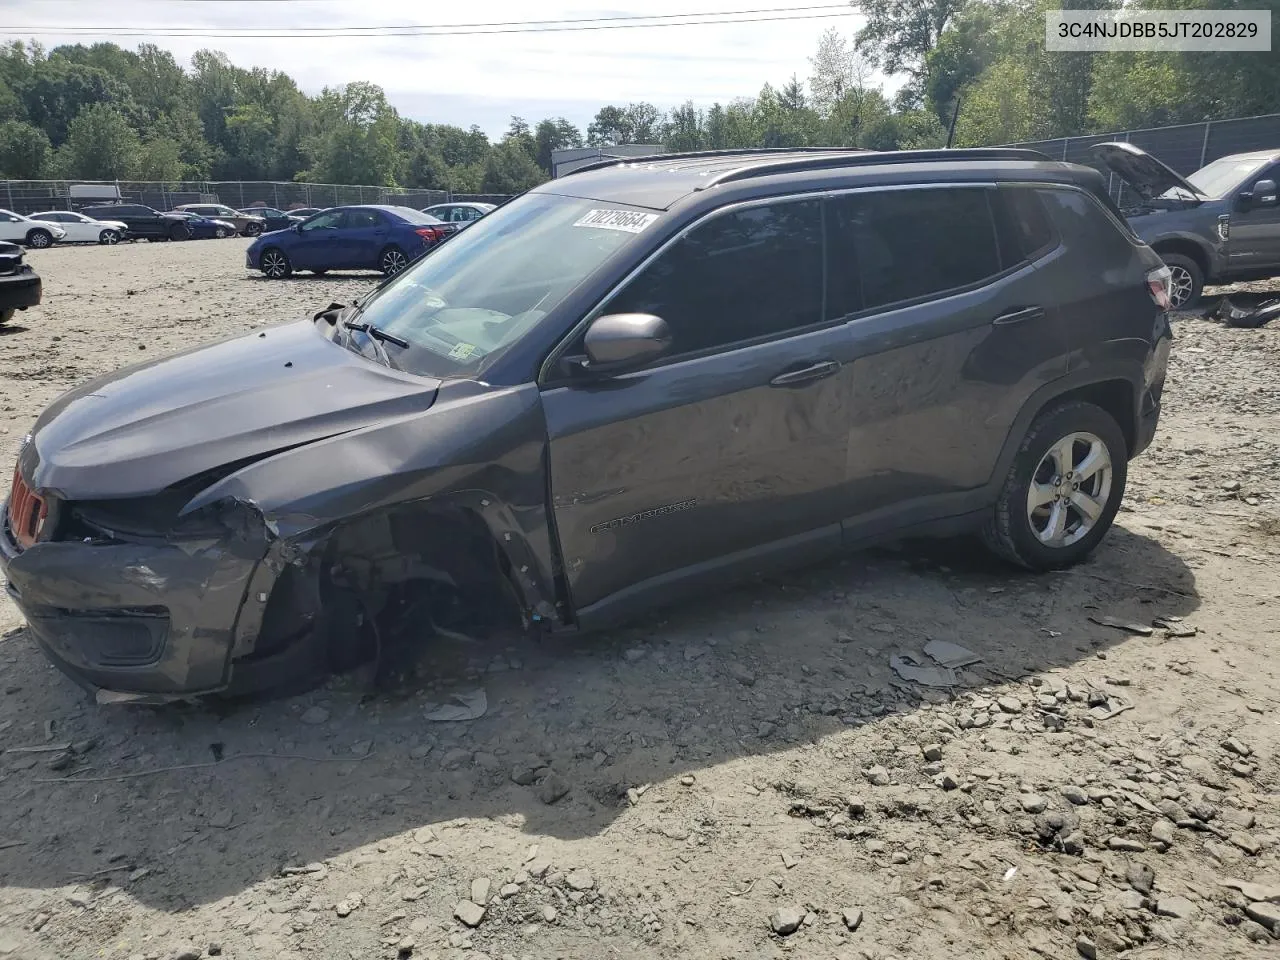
x,y
376,333
378,337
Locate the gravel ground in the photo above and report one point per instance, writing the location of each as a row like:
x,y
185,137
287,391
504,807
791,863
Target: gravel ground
x,y
745,776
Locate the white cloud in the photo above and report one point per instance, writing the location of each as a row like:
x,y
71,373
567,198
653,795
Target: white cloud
x,y
471,79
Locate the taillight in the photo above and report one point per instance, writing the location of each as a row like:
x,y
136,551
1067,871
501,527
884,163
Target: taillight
x,y
433,234
1158,283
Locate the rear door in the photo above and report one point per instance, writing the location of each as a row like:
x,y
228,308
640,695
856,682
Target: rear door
x,y
950,335
364,236
731,445
12,227
1254,244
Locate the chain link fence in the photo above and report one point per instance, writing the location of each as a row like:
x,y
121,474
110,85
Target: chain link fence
x,y
1186,147
33,196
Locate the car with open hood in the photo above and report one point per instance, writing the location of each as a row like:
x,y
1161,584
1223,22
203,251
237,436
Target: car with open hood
x,y
1220,224
623,387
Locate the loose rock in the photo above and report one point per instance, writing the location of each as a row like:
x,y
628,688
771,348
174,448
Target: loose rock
x,y
314,716
1267,914
469,913
786,920
480,888
1178,907
852,918
580,880
553,787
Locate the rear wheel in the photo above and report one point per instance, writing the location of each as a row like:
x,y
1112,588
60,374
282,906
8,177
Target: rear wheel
x,y
180,231
109,237
275,263
392,261
1063,489
39,239
1185,282
7,314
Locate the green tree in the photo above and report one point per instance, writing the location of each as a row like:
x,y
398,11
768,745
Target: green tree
x,y
159,159
685,129
100,145
24,151
554,134
899,35
509,169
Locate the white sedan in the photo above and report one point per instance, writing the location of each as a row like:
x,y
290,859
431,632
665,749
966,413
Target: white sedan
x,y
82,229
34,233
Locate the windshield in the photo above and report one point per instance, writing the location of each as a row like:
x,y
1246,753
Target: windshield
x,y
481,291
1218,178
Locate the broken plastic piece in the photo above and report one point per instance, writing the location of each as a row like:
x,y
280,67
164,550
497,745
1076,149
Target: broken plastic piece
x,y
1141,629
1249,316
908,669
461,706
950,655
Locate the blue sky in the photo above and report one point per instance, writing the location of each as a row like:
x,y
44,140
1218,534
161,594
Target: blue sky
x,y
470,79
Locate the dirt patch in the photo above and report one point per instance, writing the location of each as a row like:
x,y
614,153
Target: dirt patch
x,y
744,776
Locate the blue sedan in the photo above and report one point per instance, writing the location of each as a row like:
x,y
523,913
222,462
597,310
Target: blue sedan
x,y
385,238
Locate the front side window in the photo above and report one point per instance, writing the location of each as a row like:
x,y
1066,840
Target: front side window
x,y
895,246
744,275
1220,177
327,221
471,298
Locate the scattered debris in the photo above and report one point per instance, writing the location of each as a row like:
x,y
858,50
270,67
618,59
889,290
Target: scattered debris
x,y
1141,629
950,655
910,670
468,705
469,913
786,920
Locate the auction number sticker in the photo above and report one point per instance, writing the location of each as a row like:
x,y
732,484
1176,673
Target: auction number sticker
x,y
628,221
462,351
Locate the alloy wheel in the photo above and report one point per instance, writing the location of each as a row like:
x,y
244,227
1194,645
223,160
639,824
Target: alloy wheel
x,y
40,240
110,237
1180,286
274,264
1070,489
220,233
393,261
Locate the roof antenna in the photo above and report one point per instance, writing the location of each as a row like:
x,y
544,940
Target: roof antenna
x,y
955,115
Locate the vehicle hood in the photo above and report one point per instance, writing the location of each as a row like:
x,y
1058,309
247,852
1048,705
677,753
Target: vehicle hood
x,y
144,428
117,224
1146,175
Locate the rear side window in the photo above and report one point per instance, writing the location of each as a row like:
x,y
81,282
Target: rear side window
x,y
1023,227
895,246
1086,225
744,275
357,219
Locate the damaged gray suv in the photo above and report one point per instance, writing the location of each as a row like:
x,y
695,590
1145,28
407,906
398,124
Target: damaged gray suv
x,y
633,382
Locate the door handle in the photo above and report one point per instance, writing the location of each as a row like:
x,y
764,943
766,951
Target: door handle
x,y
1018,315
816,371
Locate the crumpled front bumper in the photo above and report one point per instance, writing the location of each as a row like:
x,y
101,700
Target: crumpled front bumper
x,y
153,622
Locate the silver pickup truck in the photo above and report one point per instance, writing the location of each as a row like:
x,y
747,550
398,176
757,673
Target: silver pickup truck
x,y
1220,224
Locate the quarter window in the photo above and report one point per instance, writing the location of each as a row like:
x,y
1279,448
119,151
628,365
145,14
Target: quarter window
x,y
895,246
744,275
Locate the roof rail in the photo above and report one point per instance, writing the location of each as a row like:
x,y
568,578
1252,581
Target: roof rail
x,y
870,158
613,161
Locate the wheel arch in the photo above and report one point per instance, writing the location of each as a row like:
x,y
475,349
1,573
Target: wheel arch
x,y
1187,247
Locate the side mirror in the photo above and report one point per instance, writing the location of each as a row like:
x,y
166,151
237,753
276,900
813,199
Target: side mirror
x,y
620,342
1264,193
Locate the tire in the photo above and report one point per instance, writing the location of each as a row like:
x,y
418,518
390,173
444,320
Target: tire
x,y
392,260
252,229
275,264
179,231
220,234
1187,281
7,314
1027,536
109,237
39,239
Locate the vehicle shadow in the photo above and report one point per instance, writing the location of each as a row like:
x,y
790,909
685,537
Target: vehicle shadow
x,y
9,329
330,276
766,668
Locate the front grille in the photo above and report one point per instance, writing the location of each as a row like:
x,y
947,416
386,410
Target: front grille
x,y
27,511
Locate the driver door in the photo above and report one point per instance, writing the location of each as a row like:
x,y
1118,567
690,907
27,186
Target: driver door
x,y
730,448
319,243
1254,243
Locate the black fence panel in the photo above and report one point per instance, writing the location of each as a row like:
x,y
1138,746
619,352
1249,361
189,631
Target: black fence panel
x,y
1186,147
